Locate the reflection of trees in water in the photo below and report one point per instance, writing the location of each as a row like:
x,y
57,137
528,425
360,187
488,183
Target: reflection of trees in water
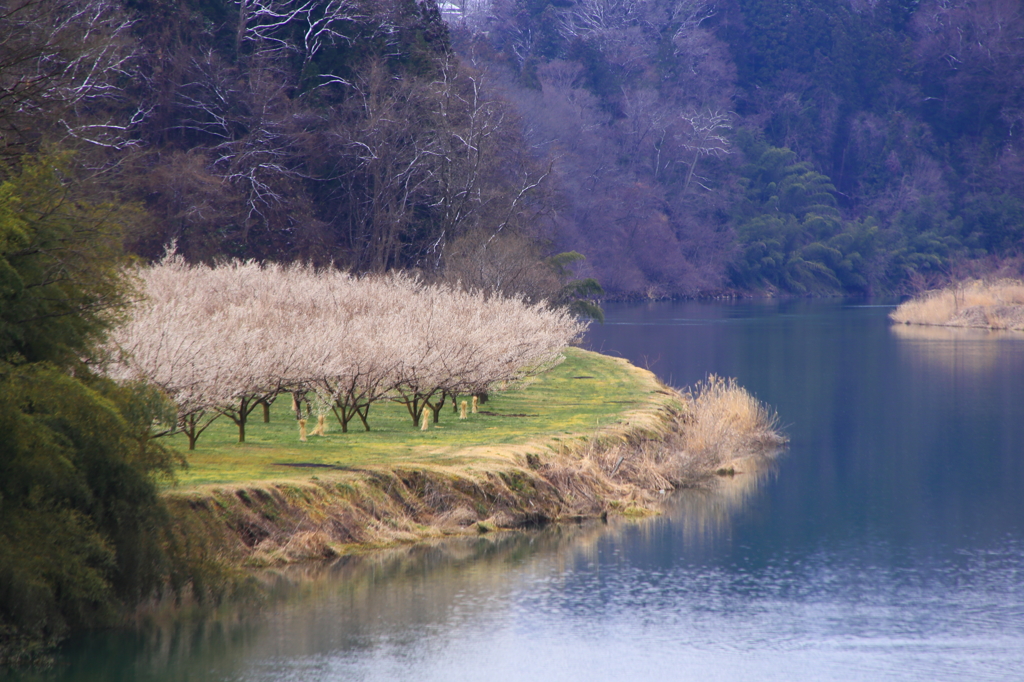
x,y
699,515
958,350
396,597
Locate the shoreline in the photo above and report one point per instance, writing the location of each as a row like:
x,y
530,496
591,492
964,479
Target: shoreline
x,y
623,468
972,304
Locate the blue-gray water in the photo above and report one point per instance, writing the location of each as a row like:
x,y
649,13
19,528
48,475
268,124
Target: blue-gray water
x,y
887,544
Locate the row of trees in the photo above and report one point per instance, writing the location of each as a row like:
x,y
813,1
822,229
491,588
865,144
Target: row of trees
x,y
223,340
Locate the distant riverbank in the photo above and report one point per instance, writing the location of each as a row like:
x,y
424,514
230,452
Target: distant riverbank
x,y
977,304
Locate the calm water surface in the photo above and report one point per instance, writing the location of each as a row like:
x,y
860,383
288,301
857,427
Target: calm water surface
x,y
887,544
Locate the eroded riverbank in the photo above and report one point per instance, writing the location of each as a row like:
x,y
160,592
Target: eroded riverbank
x,y
666,441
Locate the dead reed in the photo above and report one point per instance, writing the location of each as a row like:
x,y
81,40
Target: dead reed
x,y
725,422
718,426
975,303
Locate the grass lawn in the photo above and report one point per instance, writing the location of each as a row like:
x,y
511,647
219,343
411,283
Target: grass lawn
x,y
583,393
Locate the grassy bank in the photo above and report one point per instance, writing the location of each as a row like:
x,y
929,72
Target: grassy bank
x,y
976,304
595,435
582,394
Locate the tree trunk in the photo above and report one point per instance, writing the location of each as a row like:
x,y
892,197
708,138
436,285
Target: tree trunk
x,y
414,409
342,418
245,406
436,409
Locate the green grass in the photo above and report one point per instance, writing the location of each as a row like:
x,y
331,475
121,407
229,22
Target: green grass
x,y
585,392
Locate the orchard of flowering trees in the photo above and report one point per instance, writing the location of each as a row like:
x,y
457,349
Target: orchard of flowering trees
x,y
219,341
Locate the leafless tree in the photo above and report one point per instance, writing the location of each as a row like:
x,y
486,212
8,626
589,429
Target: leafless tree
x,y
470,129
60,66
705,137
600,18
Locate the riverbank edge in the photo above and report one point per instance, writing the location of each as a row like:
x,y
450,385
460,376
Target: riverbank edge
x,y
619,468
989,318
996,305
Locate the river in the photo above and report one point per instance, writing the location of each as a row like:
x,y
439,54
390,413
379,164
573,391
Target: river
x,y
887,543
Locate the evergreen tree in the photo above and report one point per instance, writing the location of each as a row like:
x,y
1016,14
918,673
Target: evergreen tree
x,y
80,521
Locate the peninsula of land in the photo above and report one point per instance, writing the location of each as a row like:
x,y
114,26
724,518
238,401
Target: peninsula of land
x,y
592,436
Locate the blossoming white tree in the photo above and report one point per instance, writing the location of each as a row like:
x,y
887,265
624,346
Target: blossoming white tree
x,y
222,340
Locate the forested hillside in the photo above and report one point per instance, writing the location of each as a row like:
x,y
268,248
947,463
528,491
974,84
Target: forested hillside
x,y
684,147
805,146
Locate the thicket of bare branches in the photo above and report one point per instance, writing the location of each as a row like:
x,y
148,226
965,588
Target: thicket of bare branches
x,y
331,131
222,340
62,64
639,144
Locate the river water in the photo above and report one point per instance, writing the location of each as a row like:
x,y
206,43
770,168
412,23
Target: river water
x,y
887,543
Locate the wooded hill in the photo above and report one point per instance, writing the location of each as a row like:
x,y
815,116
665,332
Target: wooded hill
x,y
685,147
804,146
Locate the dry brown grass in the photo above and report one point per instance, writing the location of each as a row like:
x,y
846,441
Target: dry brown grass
x,y
725,422
976,303
717,425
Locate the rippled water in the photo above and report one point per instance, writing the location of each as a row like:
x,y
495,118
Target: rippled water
x,y
887,544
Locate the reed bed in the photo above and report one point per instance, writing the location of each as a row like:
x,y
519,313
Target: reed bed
x,y
719,427
975,303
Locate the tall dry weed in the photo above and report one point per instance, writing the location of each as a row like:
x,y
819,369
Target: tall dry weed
x,y
974,303
719,422
722,422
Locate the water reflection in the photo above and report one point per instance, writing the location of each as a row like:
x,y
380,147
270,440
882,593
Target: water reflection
x,y
398,597
954,349
701,515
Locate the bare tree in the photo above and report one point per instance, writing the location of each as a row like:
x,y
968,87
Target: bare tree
x,y
60,63
284,28
704,138
388,176
601,20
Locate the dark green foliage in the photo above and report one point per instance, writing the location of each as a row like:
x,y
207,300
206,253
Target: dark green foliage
x,y
909,106
794,239
997,219
576,294
80,523
920,245
82,530
61,282
792,234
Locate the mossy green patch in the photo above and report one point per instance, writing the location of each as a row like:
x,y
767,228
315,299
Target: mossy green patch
x,y
585,393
